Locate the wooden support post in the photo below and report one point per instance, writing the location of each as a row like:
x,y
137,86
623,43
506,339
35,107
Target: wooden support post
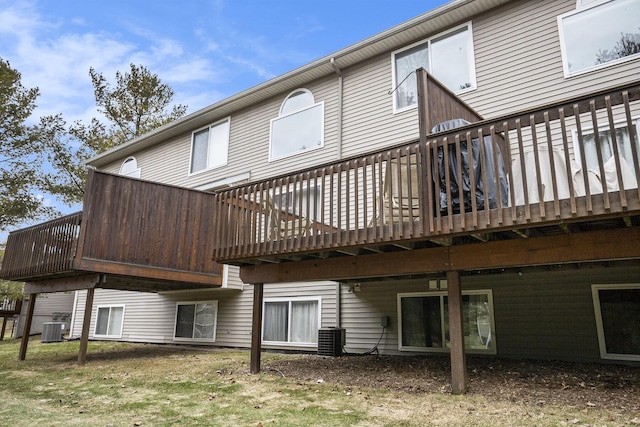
x,y
84,339
27,327
256,328
4,326
456,334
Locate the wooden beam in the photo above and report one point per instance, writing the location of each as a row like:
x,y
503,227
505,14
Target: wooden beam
x,y
256,327
84,339
373,265
150,272
27,327
602,245
456,334
62,284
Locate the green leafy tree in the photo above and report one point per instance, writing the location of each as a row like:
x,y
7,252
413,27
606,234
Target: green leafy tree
x,y
20,152
138,103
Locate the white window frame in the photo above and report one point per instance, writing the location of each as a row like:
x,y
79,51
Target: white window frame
x,y
582,7
441,295
133,173
208,166
599,325
397,80
109,307
577,149
291,300
281,116
195,304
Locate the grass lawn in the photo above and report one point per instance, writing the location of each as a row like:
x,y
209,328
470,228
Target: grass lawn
x,y
153,385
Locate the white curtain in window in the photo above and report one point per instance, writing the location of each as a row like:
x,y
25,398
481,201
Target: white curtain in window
x,y
115,323
406,63
218,148
304,321
199,152
102,321
204,321
275,321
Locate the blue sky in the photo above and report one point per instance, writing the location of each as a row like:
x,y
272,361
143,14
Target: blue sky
x,y
205,50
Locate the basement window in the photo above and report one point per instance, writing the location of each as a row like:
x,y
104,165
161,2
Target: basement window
x,y
617,310
196,321
291,321
423,323
109,321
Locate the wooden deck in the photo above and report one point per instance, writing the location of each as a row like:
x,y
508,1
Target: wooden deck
x,y
527,179
138,235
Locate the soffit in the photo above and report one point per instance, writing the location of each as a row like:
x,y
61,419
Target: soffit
x,y
396,37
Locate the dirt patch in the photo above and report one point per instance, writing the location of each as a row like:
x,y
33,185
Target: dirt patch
x,y
541,383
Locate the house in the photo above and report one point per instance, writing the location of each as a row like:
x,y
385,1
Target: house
x,y
466,181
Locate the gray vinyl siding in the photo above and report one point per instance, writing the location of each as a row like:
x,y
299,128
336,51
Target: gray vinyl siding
x,y
49,307
543,313
539,314
150,317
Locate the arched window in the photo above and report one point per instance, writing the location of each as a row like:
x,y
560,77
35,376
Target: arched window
x,y
299,126
130,168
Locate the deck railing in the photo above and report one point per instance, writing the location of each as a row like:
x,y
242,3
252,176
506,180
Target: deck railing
x,y
42,249
9,306
557,164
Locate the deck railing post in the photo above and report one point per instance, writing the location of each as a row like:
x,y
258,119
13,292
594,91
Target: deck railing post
x,y
27,327
456,334
256,328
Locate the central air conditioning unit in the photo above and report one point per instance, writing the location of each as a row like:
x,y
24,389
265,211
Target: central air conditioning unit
x,y
52,332
330,341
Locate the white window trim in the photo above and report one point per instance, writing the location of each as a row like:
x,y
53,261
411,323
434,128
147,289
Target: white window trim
x,y
175,322
209,168
134,173
472,61
494,348
600,328
291,113
565,64
290,300
119,335
577,150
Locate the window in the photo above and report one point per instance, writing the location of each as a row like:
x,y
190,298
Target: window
x,y
424,321
606,145
299,126
109,321
196,321
210,147
130,168
448,56
617,37
617,310
293,320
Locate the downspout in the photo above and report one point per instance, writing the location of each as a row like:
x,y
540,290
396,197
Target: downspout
x,y
339,156
340,92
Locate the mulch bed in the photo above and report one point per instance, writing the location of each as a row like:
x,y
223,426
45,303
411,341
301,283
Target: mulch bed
x,y
534,382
